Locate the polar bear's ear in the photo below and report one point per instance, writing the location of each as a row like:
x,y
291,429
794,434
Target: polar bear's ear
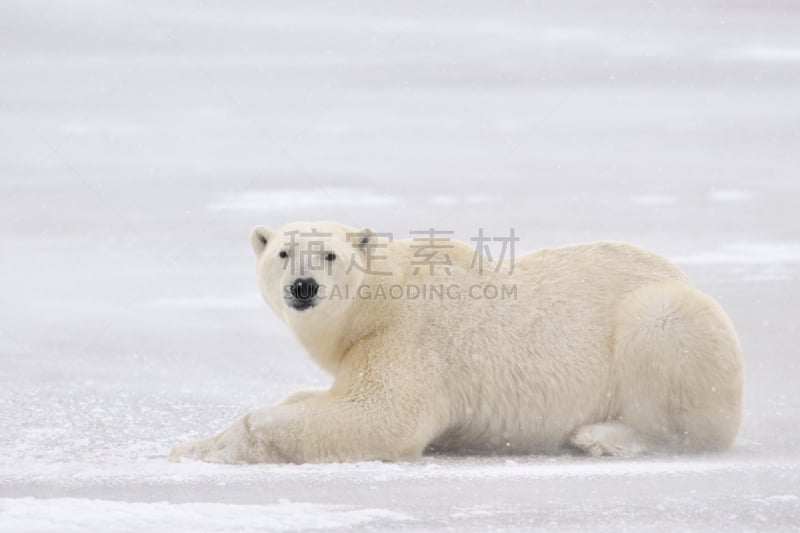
x,y
361,239
259,238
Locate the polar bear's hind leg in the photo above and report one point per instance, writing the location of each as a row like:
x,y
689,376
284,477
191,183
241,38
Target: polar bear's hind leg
x,y
608,438
678,368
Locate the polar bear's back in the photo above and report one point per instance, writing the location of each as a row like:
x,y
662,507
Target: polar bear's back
x,y
575,290
601,262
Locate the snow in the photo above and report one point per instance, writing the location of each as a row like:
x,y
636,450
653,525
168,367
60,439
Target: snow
x,y
747,253
292,199
72,514
141,142
766,54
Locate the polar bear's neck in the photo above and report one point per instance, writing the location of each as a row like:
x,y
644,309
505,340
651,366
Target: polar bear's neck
x,y
328,341
324,348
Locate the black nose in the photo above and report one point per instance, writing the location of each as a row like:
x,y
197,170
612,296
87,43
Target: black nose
x,y
304,289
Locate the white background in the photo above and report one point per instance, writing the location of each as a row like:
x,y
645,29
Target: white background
x,y
140,142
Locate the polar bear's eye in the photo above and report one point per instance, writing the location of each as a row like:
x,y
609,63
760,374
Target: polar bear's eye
x,y
330,256
283,254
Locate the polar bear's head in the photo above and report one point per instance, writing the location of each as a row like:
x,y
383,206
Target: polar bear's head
x,y
309,272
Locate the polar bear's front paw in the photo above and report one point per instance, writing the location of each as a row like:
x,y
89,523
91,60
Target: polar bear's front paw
x,y
231,446
196,449
217,449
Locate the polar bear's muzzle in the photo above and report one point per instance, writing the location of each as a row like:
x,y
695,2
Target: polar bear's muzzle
x,y
303,293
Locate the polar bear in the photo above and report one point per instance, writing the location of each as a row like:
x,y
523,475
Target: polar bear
x,y
603,348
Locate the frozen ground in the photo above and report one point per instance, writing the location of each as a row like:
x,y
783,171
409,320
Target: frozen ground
x,y
140,141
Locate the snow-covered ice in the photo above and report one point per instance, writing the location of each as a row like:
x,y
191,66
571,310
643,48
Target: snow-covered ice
x,y
140,141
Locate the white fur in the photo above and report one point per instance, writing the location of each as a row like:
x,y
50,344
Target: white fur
x,y
606,347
